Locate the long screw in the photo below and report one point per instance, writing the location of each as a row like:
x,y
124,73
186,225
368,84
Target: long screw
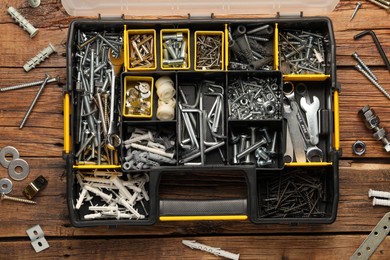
x,y
358,4
376,84
361,62
6,197
34,102
31,84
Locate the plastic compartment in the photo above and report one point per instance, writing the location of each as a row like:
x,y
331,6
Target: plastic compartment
x,y
215,48
296,195
185,41
133,56
134,86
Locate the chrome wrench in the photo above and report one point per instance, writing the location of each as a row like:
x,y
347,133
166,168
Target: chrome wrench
x,y
290,113
311,111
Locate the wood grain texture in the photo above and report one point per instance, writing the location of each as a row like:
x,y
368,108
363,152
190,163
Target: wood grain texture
x,y
40,142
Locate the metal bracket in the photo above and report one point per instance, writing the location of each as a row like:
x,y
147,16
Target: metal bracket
x,y
38,240
374,239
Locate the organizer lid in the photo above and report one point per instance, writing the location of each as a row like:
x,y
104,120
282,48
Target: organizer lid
x,y
131,8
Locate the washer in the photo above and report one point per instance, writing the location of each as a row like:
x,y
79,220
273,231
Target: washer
x,y
5,185
359,148
16,175
8,150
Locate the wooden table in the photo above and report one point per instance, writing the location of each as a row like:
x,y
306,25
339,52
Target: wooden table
x,y
40,142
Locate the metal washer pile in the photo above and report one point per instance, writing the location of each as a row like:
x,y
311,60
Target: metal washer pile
x,y
14,164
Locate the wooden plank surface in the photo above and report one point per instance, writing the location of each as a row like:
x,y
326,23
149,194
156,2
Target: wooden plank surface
x,y
40,142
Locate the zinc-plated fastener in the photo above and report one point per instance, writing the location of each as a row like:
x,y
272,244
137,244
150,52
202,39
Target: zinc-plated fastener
x,y
358,4
34,102
252,148
23,22
26,85
41,56
6,197
364,66
376,84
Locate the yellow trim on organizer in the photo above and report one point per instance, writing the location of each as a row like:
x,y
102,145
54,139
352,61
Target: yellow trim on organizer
x,y
276,47
306,77
336,120
126,48
194,218
309,164
186,33
91,167
226,47
66,123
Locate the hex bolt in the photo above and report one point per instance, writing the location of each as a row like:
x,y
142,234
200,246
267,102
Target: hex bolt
x,y
358,4
361,62
34,3
380,202
252,148
23,22
376,84
377,193
6,197
41,56
273,151
34,102
26,85
253,135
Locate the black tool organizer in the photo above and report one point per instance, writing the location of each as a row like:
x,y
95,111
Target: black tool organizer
x,y
259,179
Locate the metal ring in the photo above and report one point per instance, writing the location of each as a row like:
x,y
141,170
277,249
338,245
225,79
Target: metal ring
x,y
8,150
359,148
14,165
5,185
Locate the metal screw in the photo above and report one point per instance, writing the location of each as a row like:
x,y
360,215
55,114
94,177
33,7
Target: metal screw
x,y
361,62
358,4
376,84
6,197
36,83
34,102
273,151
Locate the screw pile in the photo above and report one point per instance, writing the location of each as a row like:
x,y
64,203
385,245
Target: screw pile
x,y
142,51
209,54
296,194
303,52
251,49
254,99
95,80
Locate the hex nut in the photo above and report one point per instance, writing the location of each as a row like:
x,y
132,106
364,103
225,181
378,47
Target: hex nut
x,y
359,148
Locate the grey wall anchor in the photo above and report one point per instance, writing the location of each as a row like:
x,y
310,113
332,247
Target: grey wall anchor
x,y
41,56
23,22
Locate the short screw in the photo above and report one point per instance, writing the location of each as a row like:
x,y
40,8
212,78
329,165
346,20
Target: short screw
x,y
6,197
358,4
376,84
380,202
364,66
26,85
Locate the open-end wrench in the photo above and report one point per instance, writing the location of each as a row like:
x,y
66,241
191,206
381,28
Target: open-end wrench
x,y
290,113
311,111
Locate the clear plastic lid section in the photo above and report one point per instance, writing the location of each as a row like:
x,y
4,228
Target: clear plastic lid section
x,y
115,8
